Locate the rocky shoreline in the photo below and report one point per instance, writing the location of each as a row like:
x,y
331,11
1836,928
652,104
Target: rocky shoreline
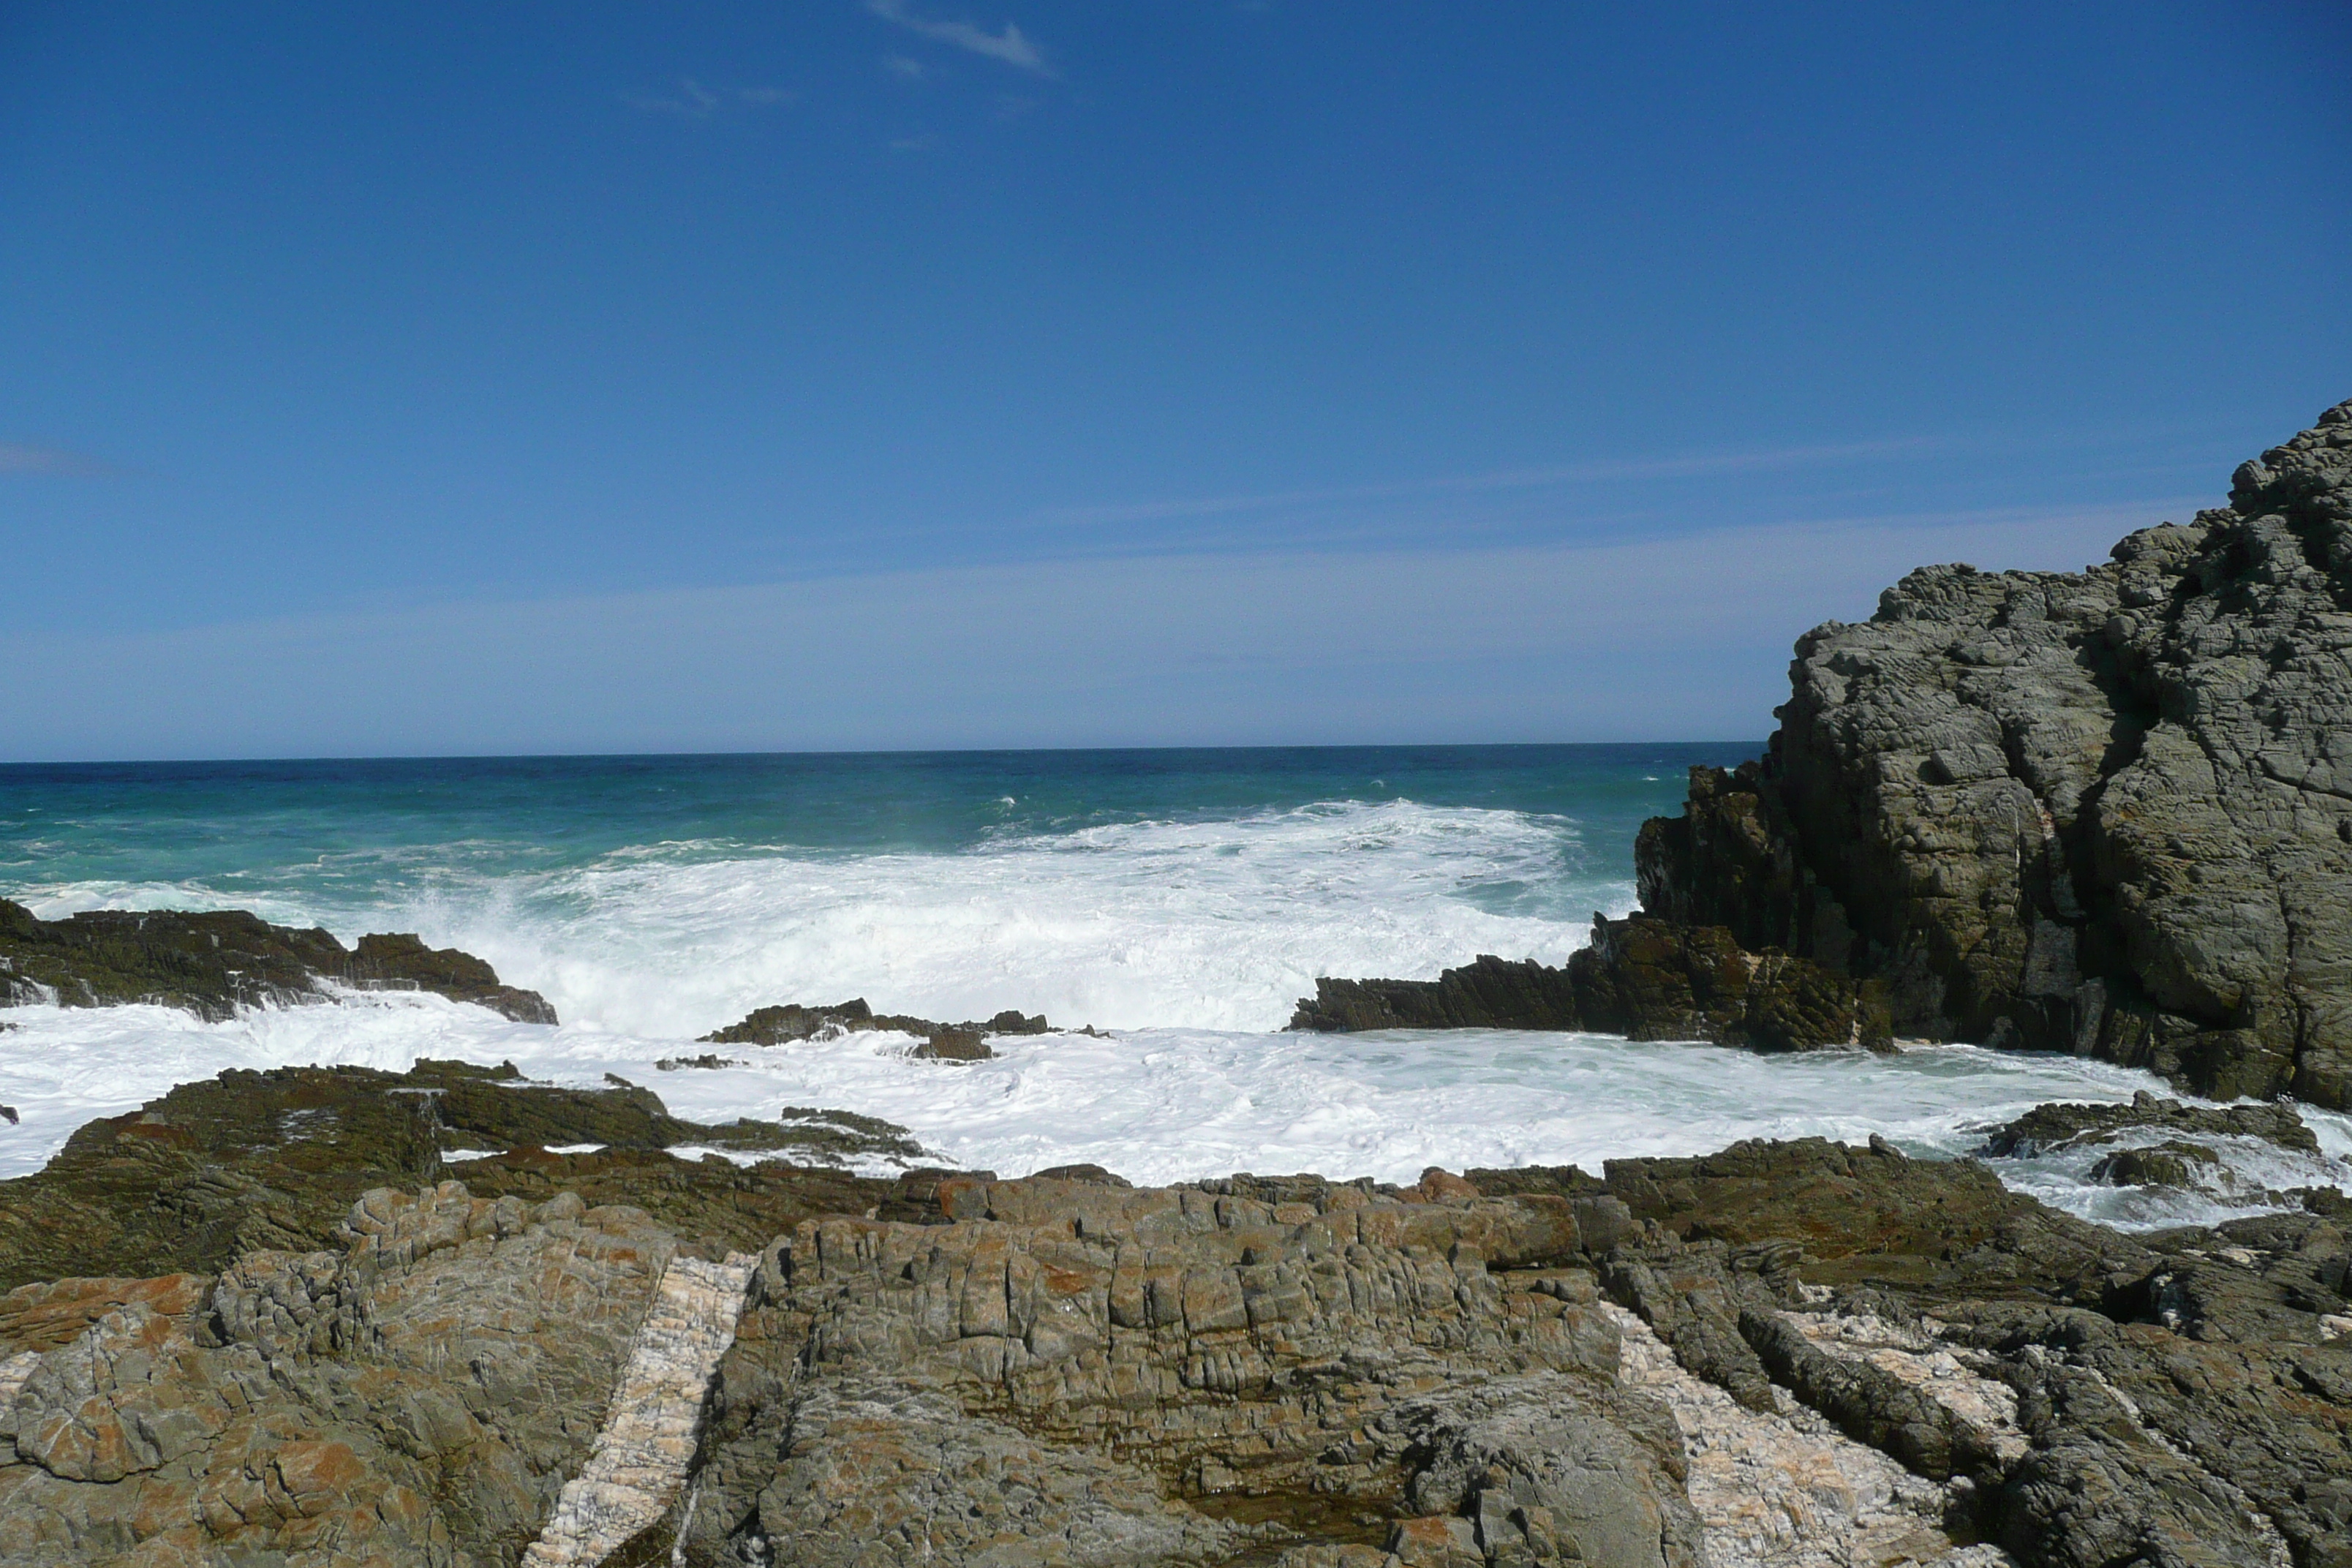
x,y
329,1317
1791,1352
2107,811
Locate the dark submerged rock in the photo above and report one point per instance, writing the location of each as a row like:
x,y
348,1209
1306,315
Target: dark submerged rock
x,y
2107,811
211,964
964,1042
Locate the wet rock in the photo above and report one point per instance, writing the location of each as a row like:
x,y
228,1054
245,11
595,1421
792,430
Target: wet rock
x,y
1644,978
2171,1164
1487,993
1654,980
2105,812
2047,1128
274,1159
964,1042
213,963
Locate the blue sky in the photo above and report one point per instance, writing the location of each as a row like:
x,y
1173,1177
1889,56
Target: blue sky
x,y
813,374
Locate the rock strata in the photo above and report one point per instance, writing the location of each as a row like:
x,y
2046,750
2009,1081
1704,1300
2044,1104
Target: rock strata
x,y
2107,811
1785,1354
1644,978
213,963
965,1042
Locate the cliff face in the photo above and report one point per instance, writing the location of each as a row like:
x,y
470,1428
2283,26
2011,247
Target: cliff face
x,y
2107,811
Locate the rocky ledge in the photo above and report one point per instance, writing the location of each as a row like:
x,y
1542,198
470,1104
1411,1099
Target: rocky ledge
x,y
213,962
1644,978
1786,1354
2105,812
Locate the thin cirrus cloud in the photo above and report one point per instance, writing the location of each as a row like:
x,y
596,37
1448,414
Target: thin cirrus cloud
x,y
15,458
1009,46
695,102
1683,464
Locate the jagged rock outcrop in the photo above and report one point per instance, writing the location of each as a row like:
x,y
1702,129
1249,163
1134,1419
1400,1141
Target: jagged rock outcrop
x,y
2107,811
275,1160
2182,1397
1644,978
965,1042
213,962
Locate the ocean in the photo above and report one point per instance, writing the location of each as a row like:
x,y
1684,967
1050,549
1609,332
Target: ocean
x,y
1182,900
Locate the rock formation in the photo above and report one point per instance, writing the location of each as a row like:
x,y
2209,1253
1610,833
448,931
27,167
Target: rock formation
x,y
965,1042
275,1160
2107,811
1786,1354
1644,978
213,963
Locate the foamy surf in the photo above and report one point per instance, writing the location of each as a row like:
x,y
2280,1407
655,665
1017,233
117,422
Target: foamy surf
x,y
1172,1104
1216,924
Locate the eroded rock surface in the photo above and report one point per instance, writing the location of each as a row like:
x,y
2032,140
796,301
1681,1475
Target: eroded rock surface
x,y
1786,1354
2107,811
213,963
415,1396
1070,1371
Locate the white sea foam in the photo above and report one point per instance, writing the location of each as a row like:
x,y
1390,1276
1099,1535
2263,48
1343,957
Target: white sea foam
x,y
1169,1104
1192,938
1216,924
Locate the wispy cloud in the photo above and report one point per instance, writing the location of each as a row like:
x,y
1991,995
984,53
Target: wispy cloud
x,y
1675,466
1009,46
695,102
900,66
23,459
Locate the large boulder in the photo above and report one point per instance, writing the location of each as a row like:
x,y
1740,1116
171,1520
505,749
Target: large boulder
x,y
2107,811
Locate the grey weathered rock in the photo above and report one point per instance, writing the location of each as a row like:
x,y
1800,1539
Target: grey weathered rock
x,y
2107,811
415,1398
1066,1372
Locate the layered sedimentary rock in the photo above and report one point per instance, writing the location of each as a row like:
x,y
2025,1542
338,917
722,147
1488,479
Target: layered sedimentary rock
x,y
1786,1354
211,964
2107,811
1644,978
